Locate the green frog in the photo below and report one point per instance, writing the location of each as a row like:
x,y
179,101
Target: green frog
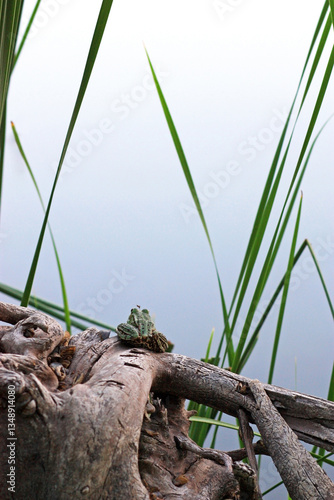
x,y
140,331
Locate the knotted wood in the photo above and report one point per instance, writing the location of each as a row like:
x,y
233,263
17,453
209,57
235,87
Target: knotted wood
x,y
96,434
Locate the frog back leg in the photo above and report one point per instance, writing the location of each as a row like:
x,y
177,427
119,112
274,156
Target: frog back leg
x,y
127,332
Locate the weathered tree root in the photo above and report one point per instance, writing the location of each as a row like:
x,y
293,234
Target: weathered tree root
x,y
301,474
86,429
173,466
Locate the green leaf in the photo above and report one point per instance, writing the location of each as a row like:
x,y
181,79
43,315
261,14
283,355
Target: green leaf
x,y
284,294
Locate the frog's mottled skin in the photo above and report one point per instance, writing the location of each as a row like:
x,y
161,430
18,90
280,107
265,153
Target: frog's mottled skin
x,y
140,331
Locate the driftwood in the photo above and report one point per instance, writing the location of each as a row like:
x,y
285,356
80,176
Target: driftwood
x,y
76,421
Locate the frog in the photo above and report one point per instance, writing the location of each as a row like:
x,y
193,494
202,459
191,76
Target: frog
x,y
140,331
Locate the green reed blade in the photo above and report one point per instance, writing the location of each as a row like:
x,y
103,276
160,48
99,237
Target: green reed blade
x,y
207,354
265,208
54,309
94,48
254,338
60,271
275,244
284,294
191,185
26,33
254,241
321,277
10,15
331,5
2,147
330,395
278,236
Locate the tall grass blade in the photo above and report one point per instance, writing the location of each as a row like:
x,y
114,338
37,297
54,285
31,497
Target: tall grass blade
x,y
254,338
253,254
60,271
26,33
321,277
207,354
94,47
218,423
330,395
278,236
191,185
331,386
204,428
284,294
263,213
2,147
215,431
267,201
40,304
10,15
272,488
315,114
252,243
331,5
197,428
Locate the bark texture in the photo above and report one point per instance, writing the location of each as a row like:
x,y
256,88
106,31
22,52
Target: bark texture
x,y
87,427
